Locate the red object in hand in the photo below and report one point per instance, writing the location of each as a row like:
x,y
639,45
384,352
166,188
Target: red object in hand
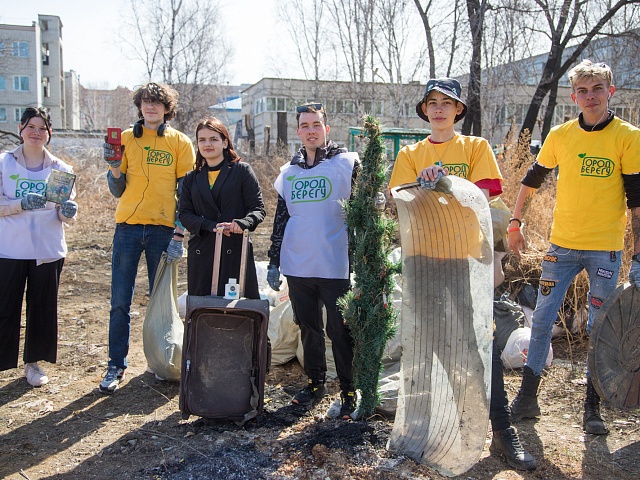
x,y
114,138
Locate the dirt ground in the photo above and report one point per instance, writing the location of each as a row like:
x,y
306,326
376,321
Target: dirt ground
x,y
67,429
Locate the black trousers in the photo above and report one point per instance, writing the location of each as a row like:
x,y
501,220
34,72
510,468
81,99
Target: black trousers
x,y
307,297
499,407
41,335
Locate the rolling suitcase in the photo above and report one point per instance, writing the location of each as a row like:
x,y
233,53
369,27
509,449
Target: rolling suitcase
x,y
225,351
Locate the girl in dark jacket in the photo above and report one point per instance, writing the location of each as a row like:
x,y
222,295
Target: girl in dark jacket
x,y
224,192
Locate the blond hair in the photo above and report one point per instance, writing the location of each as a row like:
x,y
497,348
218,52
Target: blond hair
x,y
587,70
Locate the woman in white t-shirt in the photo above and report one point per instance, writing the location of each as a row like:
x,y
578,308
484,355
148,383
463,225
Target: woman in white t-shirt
x,y
32,247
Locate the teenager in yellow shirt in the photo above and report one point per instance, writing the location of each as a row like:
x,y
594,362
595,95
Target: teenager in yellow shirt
x,y
446,152
598,160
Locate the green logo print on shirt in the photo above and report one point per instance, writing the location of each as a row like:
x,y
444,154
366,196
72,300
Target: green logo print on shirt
x,y
458,169
309,189
26,185
596,166
158,157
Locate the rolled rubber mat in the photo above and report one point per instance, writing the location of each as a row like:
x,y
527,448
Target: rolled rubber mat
x,y
614,349
447,324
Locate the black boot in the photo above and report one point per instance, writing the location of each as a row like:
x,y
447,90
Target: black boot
x,y
592,422
507,443
313,392
525,405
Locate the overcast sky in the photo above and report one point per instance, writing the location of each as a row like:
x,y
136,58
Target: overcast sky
x,y
90,35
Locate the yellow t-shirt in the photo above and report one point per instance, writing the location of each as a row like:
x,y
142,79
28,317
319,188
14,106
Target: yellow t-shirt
x,y
153,165
465,156
590,211
212,175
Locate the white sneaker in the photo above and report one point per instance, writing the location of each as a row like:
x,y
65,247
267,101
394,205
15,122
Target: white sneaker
x,y
35,375
112,378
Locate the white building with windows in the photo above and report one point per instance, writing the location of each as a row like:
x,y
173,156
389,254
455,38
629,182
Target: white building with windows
x,y
509,88
32,74
269,108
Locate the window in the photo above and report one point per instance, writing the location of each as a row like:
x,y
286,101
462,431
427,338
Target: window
x,y
46,87
373,108
3,114
17,114
330,106
271,104
259,106
45,54
21,84
44,25
3,83
21,49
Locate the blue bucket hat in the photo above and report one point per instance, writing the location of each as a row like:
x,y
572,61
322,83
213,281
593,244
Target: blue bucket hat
x,y
448,86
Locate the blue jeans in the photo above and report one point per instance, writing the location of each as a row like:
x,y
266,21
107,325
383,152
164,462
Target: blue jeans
x,y
129,241
559,267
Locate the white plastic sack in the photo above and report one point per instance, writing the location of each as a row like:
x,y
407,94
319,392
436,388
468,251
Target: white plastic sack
x,y
162,330
283,334
515,351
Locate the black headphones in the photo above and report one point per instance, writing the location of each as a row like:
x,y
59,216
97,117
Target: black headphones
x,y
137,129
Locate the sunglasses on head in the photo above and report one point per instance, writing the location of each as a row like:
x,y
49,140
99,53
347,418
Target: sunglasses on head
x,y
317,107
601,65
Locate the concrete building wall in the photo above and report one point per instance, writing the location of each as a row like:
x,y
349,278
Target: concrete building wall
x,y
72,100
52,81
345,105
32,72
19,72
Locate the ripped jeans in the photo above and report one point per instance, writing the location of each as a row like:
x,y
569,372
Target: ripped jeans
x,y
559,267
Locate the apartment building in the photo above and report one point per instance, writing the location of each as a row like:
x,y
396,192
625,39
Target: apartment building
x,y
269,108
32,73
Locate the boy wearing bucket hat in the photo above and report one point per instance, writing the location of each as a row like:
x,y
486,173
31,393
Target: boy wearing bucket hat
x,y
446,152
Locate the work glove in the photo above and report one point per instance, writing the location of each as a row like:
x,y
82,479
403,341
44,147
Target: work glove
x,y
69,209
273,277
108,151
33,201
427,184
634,273
174,250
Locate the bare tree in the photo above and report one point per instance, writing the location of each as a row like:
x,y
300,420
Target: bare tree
x,y
309,34
567,20
179,43
473,120
354,30
393,37
422,11
102,108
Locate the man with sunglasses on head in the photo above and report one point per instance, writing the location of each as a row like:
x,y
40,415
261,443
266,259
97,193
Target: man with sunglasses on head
x,y
598,160
310,246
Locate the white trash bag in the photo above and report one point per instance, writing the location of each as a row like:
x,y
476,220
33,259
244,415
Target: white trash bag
x,y
516,350
162,330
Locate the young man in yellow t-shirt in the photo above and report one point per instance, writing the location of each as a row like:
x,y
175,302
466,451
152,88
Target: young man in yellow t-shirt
x,y
446,152
598,160
147,181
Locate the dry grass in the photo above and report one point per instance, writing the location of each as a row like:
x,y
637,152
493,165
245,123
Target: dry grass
x,y
93,196
513,165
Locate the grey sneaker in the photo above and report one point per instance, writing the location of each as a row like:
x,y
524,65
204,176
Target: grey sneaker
x,y
112,378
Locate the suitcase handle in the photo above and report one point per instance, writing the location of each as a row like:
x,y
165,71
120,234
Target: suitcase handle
x,y
217,254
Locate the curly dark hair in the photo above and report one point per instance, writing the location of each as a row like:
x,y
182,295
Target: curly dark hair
x,y
31,112
165,94
212,123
